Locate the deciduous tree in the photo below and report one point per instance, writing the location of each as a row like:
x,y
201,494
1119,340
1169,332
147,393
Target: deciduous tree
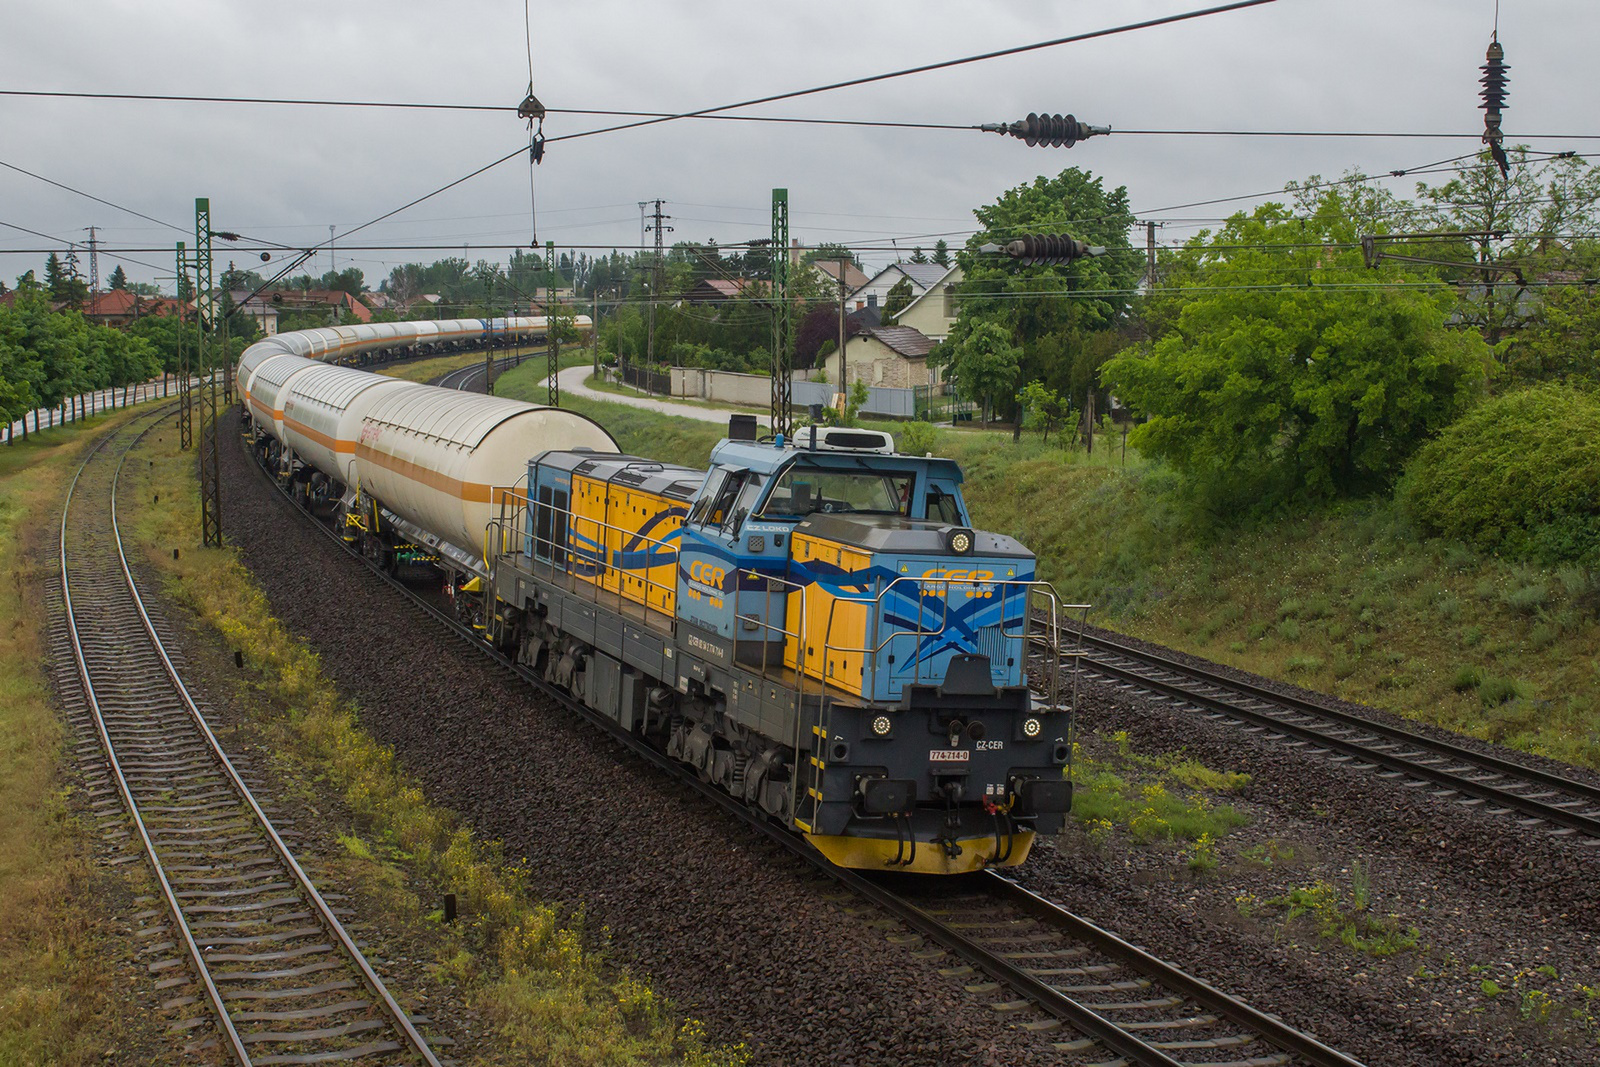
x,y
1279,380
1046,311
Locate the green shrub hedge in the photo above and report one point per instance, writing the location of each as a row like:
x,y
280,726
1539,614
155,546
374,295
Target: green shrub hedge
x,y
1518,476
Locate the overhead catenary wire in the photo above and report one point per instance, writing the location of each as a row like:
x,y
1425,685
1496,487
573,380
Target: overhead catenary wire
x,y
962,127
925,68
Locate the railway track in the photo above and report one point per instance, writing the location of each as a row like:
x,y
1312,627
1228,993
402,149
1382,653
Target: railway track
x,y
1498,786
273,973
470,378
1083,988
1079,987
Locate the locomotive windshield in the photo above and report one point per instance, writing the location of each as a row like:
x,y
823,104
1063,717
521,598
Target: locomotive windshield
x,y
804,490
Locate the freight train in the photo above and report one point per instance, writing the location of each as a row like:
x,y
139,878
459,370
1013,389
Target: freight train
x,y
813,623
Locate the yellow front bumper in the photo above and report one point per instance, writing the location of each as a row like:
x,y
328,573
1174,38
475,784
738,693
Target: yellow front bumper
x,y
878,854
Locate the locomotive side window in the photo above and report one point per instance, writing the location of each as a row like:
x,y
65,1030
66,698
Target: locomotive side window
x,y
712,490
942,507
748,495
719,504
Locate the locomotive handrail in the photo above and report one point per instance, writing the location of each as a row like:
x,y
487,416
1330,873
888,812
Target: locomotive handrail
x,y
799,636
1008,630
601,558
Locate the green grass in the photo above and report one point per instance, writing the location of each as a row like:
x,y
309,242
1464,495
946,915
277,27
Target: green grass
x,y
61,998
1152,799
528,969
1344,914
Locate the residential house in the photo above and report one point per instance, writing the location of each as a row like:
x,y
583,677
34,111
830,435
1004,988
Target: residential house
x,y
119,307
831,271
337,301
259,307
875,290
933,311
890,356
722,290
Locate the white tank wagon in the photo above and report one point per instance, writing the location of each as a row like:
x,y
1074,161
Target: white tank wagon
x,y
322,413
269,387
338,344
445,460
438,459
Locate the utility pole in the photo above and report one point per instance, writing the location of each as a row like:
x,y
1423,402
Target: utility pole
x,y
185,393
655,281
94,261
782,362
488,351
552,342
594,330
1150,254
842,377
333,264
210,458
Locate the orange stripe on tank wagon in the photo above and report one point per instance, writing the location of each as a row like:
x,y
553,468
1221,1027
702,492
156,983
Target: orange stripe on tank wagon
x,y
331,443
476,492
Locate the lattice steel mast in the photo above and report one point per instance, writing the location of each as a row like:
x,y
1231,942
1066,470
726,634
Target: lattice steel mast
x,y
205,303
782,360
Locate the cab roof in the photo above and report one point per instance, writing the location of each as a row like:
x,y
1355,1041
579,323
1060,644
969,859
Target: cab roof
x,y
769,458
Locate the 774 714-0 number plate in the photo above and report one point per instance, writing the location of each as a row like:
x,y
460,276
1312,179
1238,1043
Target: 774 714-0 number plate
x,y
948,755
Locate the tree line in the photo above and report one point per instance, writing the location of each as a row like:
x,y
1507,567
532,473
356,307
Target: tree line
x,y
1305,351
51,356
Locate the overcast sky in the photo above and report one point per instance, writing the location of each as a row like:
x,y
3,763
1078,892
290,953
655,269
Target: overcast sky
x,y
285,174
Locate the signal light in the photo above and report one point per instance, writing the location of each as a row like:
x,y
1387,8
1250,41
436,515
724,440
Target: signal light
x,y
1035,248
1057,131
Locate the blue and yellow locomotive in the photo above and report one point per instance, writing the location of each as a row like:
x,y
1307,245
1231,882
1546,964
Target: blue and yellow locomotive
x,y
813,625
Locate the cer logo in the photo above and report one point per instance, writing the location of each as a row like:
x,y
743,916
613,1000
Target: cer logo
x,y
706,573
974,582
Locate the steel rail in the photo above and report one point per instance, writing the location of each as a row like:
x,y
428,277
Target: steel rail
x,y
1081,1017
1580,822
471,371
325,915
1200,991
231,1036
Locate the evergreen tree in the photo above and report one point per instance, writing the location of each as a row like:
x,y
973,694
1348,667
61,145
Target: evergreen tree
x,y
941,253
63,283
119,278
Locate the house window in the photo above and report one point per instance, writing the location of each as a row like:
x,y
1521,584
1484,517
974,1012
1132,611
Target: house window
x,y
872,300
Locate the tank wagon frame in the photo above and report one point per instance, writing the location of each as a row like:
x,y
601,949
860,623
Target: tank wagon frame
x,y
812,625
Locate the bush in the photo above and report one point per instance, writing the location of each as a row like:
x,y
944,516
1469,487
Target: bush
x,y
1515,476
917,438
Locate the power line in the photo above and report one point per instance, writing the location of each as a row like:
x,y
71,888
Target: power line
x,y
91,196
927,67
59,242
771,119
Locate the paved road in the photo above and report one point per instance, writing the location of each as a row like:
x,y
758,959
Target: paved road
x,y
572,381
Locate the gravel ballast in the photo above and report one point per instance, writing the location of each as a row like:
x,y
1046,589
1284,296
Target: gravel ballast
x,y
741,936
